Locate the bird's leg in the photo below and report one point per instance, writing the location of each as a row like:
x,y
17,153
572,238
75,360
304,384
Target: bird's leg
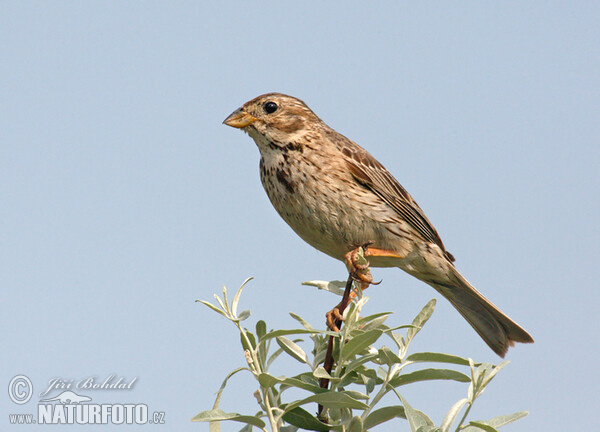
x,y
335,316
334,322
358,266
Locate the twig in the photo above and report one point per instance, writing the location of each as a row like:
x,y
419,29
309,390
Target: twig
x,y
328,363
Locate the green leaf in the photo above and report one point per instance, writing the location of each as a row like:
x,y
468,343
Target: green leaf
x,y
428,375
438,358
305,324
373,321
276,333
482,376
483,426
355,425
251,338
261,329
220,392
292,349
268,380
416,419
386,356
263,351
420,320
358,343
336,287
428,428
242,316
236,298
223,305
320,372
213,307
360,361
452,414
382,415
398,340
302,419
273,356
298,383
505,419
330,399
356,394
489,376
219,415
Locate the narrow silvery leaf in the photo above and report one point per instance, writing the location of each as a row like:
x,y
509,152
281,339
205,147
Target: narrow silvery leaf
x,y
505,419
420,320
356,394
243,315
267,380
386,356
355,425
261,329
298,383
330,399
483,426
492,373
398,340
225,297
428,428
452,414
218,415
373,321
292,349
320,372
213,307
428,375
382,415
336,287
273,357
223,305
301,320
301,418
360,361
236,298
359,343
220,392
416,418
276,333
437,358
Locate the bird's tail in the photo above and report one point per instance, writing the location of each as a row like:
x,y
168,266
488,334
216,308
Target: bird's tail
x,y
494,327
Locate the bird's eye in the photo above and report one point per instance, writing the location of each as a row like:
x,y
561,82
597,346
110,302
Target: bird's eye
x,y
270,107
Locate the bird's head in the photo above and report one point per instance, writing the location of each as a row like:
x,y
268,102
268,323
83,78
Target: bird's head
x,y
274,116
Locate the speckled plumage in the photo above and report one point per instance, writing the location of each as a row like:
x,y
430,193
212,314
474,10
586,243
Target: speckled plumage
x,y
337,197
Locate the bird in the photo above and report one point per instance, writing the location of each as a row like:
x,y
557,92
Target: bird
x,y
339,199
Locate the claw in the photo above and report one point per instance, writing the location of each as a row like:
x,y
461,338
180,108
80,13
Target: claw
x,y
359,270
332,317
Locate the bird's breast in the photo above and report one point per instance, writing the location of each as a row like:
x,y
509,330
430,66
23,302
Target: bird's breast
x,y
321,202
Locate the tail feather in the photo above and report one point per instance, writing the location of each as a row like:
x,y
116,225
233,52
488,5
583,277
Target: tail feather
x,y
494,327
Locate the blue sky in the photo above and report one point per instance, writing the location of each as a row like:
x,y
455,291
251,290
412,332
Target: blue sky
x,y
124,198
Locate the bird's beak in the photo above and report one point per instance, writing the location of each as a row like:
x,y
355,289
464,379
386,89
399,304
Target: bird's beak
x,y
239,119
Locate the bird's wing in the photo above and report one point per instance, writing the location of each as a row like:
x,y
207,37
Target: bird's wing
x,y
371,174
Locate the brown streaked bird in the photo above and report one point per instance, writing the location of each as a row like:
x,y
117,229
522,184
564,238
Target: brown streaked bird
x,y
337,197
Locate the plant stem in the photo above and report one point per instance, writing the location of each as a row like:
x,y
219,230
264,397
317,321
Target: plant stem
x,y
470,404
268,394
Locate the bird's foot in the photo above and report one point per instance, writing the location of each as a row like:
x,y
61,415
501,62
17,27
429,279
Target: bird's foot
x,y
334,319
358,266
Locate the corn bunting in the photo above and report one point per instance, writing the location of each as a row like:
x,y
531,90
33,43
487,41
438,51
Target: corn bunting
x,y
337,198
